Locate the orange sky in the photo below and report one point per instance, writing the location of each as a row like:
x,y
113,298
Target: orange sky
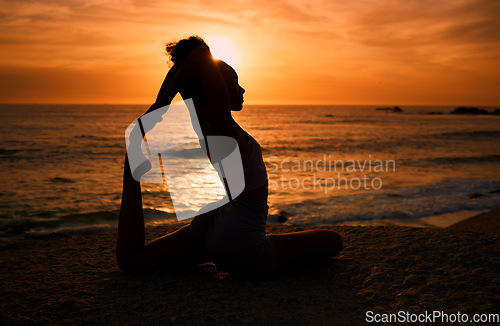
x,y
291,52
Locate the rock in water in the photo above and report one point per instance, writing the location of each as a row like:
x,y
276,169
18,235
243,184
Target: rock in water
x,y
469,110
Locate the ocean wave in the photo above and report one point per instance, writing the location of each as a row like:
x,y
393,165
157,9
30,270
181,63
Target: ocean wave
x,y
46,222
62,180
467,159
4,151
186,153
100,137
331,120
21,225
307,147
448,160
478,133
447,196
16,153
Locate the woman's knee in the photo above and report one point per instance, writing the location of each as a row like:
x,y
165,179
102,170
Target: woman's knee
x,y
331,241
337,243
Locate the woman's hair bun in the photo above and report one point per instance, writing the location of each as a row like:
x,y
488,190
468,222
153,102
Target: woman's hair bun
x,y
180,50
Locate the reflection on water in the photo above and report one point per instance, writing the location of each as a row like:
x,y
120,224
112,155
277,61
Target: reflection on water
x,y
176,150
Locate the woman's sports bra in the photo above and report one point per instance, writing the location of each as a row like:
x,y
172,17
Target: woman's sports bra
x,y
254,167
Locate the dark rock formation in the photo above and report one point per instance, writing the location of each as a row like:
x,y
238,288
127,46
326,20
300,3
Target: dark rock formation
x,y
394,109
469,110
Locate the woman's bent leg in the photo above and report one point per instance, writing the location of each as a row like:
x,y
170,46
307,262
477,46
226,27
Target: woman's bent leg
x,y
302,248
131,252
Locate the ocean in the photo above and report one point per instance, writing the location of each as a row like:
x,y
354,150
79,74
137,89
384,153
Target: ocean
x,y
62,165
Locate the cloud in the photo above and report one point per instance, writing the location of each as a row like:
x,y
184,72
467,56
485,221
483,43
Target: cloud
x,y
282,42
407,23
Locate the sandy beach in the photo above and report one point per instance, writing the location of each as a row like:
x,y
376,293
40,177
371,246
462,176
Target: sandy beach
x,y
64,280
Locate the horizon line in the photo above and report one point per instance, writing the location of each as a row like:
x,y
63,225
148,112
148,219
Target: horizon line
x,y
256,104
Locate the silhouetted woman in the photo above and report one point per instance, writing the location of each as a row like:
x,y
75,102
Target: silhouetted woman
x,y
232,236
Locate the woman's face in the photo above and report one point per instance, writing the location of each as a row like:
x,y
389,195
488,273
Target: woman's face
x,y
234,90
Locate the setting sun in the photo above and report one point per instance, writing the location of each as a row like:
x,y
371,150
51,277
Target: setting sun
x,y
223,48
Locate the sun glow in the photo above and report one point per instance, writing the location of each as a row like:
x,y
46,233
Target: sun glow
x,y
223,48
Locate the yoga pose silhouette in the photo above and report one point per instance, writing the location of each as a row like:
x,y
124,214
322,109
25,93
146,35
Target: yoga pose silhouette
x,y
233,235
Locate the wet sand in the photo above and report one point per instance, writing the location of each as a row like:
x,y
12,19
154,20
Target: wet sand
x,y
488,222
384,269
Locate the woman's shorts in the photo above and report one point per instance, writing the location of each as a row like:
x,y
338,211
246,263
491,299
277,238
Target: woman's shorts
x,y
233,236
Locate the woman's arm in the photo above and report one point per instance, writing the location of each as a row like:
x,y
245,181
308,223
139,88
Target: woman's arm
x,y
162,98
166,83
132,254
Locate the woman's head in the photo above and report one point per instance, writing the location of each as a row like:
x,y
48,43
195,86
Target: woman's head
x,y
179,51
234,90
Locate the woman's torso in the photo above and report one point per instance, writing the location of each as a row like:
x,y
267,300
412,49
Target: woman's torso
x,y
256,181
256,184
